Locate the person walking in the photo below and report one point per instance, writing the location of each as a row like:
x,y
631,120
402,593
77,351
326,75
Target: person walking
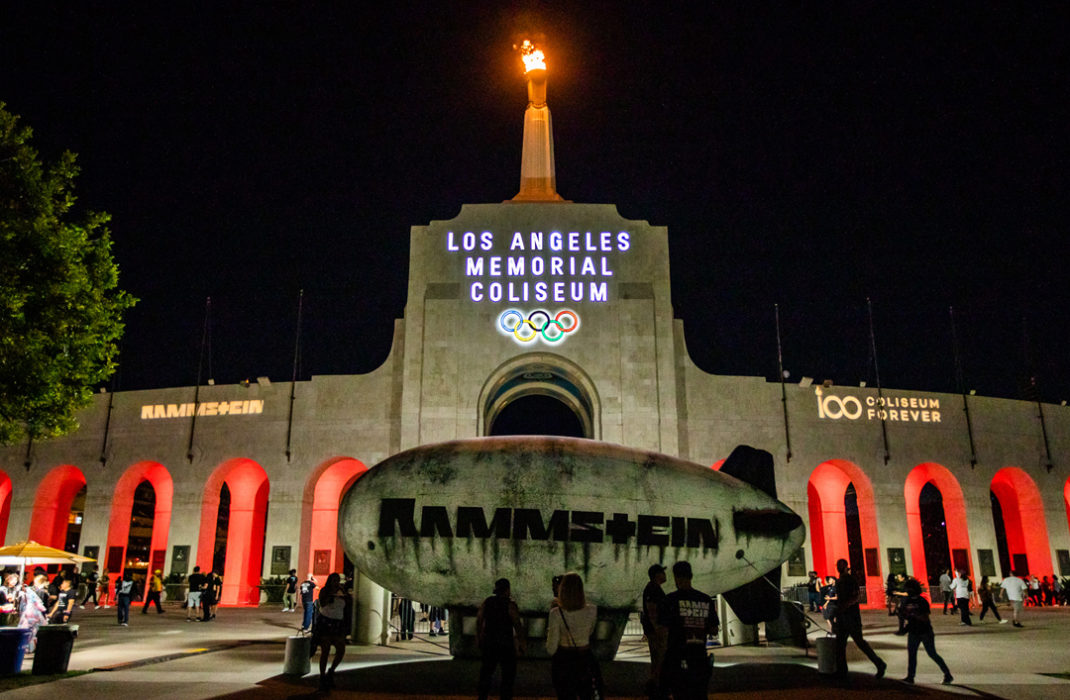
x,y
687,617
1016,589
1034,591
104,590
331,628
945,588
962,586
915,612
91,579
984,594
307,591
155,585
573,668
653,594
500,637
289,594
195,583
848,622
124,591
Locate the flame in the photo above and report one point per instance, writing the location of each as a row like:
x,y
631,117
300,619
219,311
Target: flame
x,y
534,59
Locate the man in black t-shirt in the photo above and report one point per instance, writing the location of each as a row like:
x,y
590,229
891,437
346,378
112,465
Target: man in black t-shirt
x,y
655,639
848,622
289,594
687,616
308,588
61,610
196,582
499,633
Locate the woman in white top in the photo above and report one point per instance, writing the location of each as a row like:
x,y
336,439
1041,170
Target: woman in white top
x,y
574,669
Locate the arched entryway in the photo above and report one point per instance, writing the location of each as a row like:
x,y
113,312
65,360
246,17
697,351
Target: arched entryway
x,y
843,522
321,548
5,504
140,518
58,507
539,393
1021,528
245,519
931,489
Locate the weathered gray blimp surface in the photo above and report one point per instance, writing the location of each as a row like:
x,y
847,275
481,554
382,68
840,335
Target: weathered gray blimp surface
x,y
439,523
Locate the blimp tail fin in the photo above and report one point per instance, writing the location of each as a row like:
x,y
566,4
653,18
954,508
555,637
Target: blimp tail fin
x,y
752,466
759,600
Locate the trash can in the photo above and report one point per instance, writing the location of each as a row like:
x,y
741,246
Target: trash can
x,y
54,644
826,655
13,644
298,651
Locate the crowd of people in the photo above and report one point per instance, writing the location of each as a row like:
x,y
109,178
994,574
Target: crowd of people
x,y
677,625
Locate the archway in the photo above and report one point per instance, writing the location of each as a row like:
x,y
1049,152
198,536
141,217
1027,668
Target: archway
x,y
247,484
554,379
954,508
5,504
56,494
1025,527
1066,501
535,414
321,548
157,524
843,522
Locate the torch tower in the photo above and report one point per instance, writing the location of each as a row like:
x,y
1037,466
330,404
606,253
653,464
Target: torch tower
x,y
538,181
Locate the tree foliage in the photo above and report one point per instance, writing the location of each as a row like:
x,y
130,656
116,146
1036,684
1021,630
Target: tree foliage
x,y
60,305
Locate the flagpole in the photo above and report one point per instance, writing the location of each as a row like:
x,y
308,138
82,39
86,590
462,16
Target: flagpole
x,y
962,386
293,380
877,374
205,342
780,371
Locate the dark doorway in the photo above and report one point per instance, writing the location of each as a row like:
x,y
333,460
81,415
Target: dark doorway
x,y
536,414
855,553
74,522
142,515
222,524
1001,535
934,532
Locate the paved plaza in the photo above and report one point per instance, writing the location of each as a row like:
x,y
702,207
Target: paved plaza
x,y
240,655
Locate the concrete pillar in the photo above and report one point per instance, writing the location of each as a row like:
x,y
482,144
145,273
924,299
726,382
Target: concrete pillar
x,y
372,613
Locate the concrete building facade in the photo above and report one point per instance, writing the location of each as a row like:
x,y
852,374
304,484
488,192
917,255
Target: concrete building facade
x,y
541,297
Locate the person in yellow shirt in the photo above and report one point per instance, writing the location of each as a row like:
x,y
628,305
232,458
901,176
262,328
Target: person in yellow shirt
x,y
153,595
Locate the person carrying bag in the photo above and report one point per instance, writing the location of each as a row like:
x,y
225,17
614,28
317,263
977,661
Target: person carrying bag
x,y
574,669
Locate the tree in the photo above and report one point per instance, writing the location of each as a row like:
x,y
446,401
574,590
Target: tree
x,y
60,305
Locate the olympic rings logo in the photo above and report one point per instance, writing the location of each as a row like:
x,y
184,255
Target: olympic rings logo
x,y
538,324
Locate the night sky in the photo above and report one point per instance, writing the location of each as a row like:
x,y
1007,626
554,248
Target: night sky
x,y
914,153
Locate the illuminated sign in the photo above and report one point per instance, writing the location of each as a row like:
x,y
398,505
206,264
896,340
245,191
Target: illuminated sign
x,y
555,267
538,325
203,408
902,409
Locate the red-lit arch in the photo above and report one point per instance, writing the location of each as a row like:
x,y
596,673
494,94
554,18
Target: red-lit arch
x,y
122,506
5,504
1066,500
52,505
1023,518
954,514
716,466
248,485
323,494
825,493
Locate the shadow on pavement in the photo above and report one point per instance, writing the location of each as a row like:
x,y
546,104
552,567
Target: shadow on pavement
x,y
450,678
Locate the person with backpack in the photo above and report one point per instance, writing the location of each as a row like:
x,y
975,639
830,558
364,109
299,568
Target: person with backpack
x,y
914,611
